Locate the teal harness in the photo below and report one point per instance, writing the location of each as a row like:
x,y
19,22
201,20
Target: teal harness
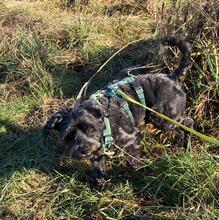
x,y
111,91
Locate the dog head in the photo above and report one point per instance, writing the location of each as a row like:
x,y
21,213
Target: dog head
x,y
81,129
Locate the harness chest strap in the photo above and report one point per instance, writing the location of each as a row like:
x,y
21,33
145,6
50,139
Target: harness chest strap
x,y
108,139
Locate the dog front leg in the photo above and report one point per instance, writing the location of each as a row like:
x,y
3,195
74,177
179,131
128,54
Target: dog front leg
x,y
99,171
130,143
99,166
133,154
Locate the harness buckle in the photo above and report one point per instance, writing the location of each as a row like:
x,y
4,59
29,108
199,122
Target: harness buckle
x,y
124,105
139,90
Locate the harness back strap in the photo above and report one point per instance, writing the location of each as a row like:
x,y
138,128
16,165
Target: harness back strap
x,y
111,91
137,87
139,91
123,103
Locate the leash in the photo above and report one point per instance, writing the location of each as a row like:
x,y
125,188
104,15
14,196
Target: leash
x,y
83,90
194,132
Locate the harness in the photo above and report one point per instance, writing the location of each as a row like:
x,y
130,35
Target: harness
x,y
111,91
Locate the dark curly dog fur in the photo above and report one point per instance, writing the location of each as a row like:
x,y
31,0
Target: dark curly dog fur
x,y
82,126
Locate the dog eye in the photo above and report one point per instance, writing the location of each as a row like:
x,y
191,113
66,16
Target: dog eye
x,y
90,130
70,137
85,128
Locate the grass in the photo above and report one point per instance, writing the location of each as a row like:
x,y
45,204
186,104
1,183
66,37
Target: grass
x,y
48,49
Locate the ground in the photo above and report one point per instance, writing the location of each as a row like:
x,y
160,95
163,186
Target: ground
x,y
48,49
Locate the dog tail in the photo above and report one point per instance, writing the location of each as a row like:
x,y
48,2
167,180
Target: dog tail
x,y
185,60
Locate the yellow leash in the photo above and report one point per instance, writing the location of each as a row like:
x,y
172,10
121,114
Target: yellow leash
x,y
198,134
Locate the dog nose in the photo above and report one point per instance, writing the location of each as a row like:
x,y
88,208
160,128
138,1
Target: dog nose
x,y
84,150
79,151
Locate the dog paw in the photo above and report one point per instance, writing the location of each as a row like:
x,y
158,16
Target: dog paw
x,y
99,184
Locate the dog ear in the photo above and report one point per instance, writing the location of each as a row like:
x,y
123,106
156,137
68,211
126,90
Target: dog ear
x,y
54,123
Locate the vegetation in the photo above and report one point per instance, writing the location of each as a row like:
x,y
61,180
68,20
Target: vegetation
x,y
48,49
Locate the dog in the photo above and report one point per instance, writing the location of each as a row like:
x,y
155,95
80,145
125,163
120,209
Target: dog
x,y
83,127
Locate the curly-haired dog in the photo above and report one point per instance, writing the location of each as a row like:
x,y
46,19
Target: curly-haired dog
x,y
83,127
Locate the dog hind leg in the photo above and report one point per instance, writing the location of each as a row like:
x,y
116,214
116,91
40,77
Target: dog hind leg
x,y
185,136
